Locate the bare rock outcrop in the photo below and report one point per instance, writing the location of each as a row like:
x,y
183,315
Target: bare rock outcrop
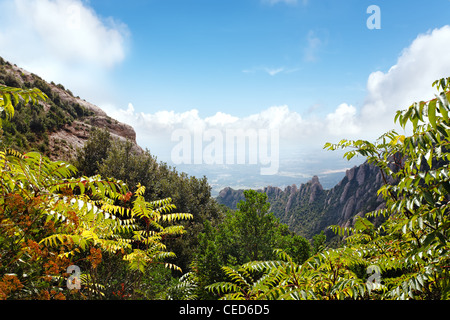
x,y
309,209
66,138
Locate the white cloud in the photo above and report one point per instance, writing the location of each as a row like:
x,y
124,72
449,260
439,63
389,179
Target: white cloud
x,y
343,121
63,41
221,119
172,136
271,71
290,2
314,44
331,171
408,81
154,129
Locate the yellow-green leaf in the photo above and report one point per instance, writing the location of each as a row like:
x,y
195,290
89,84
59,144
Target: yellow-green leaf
x,y
432,113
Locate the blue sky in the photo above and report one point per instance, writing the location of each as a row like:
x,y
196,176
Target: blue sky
x,y
217,55
308,68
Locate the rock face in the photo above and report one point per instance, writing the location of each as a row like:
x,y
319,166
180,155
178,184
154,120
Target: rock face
x,y
66,138
76,133
231,197
309,209
73,136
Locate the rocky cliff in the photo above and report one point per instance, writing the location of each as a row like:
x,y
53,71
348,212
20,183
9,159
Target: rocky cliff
x,y
308,209
230,197
58,126
73,135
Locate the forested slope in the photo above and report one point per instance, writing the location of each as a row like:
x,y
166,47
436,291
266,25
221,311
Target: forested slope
x,y
113,223
58,126
64,127
309,209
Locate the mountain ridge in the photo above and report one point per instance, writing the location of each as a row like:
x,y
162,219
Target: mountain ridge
x,y
61,124
309,209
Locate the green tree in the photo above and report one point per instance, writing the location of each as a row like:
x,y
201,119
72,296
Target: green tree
x,y
94,152
122,160
125,162
319,241
10,97
253,226
50,219
249,233
406,257
415,238
209,259
326,276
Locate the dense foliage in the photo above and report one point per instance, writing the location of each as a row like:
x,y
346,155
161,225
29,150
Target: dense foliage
x,y
98,217
249,233
121,160
406,257
29,129
53,222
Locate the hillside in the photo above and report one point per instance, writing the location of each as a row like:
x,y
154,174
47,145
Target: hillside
x,y
63,124
309,209
60,125
45,231
62,128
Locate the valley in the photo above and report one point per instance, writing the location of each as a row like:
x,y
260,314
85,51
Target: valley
x,y
309,209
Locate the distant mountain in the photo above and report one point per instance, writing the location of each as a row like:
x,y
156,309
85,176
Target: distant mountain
x,y
58,126
62,124
309,208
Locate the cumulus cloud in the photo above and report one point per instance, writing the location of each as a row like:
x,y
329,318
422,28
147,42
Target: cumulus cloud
x,y
408,81
155,129
63,41
221,119
343,121
268,139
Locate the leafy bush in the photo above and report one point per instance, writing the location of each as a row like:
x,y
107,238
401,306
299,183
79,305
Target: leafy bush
x,y
406,257
250,233
120,159
51,220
